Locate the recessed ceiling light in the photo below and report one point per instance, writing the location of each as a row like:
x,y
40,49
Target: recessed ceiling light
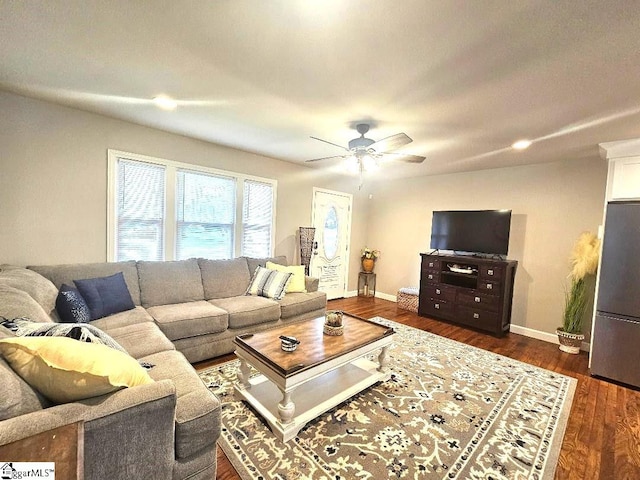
x,y
165,103
521,144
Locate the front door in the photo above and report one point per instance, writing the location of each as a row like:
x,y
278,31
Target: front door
x,y
331,217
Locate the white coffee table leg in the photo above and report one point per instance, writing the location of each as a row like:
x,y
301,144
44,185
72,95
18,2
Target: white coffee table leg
x,y
382,359
243,374
286,408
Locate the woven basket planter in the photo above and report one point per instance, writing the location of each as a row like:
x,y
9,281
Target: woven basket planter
x,y
570,342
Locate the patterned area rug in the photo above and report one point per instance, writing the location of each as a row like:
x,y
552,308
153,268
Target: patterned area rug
x,y
449,411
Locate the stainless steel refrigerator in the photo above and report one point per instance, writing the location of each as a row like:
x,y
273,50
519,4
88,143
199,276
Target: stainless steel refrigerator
x,y
615,349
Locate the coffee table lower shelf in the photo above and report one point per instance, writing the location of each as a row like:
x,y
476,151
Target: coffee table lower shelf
x,y
311,399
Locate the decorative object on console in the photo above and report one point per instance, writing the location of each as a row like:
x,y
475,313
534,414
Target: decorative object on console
x,y
307,246
584,263
333,323
368,256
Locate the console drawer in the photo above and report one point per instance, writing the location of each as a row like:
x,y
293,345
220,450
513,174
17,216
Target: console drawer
x,y
490,272
430,276
479,300
489,286
431,264
440,292
437,307
474,317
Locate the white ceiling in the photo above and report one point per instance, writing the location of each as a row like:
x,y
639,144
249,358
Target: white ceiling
x,y
464,79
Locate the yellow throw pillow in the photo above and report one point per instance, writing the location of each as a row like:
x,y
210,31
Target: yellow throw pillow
x,y
66,370
297,283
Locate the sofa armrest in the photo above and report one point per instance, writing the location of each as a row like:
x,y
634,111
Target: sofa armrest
x,y
311,283
128,433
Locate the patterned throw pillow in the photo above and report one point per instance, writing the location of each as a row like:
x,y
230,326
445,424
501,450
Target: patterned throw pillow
x,y
269,283
71,306
23,327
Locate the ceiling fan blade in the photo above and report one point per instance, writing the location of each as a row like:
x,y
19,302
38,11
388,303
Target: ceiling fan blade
x,y
330,143
327,158
391,143
404,157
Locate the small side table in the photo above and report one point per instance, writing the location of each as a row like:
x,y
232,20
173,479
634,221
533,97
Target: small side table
x,y
366,284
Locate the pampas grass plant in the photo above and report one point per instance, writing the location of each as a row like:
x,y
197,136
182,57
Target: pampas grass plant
x,y
584,262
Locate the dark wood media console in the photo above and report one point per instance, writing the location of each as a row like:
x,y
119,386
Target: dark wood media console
x,y
467,290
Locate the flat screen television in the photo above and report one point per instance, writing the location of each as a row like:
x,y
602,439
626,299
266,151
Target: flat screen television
x,y
472,231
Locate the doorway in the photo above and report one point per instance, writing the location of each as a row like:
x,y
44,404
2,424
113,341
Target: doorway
x,y
331,217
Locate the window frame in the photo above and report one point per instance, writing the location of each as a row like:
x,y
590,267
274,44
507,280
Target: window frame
x,y
170,213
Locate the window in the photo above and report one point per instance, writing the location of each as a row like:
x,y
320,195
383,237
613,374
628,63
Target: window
x,y
140,211
163,210
257,218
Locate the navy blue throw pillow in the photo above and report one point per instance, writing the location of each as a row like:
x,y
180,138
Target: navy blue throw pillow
x,y
71,307
105,295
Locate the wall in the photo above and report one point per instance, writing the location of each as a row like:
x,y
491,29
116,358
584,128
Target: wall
x,y
551,205
53,181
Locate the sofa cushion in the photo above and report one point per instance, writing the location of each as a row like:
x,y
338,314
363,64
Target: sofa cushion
x,y
183,320
141,339
197,409
254,263
294,304
16,303
245,311
123,319
17,396
38,287
67,273
164,283
297,281
224,278
70,305
65,370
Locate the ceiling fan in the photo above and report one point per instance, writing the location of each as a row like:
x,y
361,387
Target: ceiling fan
x,y
367,152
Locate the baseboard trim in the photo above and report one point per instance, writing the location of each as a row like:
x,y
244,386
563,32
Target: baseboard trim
x,y
517,329
386,296
545,336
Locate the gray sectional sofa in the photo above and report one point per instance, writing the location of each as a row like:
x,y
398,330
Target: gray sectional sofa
x,y
185,311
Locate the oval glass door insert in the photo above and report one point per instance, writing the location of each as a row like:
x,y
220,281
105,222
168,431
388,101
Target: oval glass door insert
x,y
330,234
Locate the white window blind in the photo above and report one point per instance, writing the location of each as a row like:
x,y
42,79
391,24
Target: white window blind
x,y
205,213
165,210
257,218
140,211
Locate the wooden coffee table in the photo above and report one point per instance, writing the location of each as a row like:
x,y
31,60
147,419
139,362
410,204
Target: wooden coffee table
x,y
324,371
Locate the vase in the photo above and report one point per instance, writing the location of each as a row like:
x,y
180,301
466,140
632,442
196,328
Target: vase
x,y
570,342
368,264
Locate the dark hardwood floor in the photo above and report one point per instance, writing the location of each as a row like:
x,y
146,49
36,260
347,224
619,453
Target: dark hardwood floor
x,y
602,439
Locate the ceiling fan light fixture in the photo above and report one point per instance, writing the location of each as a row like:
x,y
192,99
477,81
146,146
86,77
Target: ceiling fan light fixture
x,y
352,165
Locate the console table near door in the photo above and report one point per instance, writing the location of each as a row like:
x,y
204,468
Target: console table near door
x,y
472,291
